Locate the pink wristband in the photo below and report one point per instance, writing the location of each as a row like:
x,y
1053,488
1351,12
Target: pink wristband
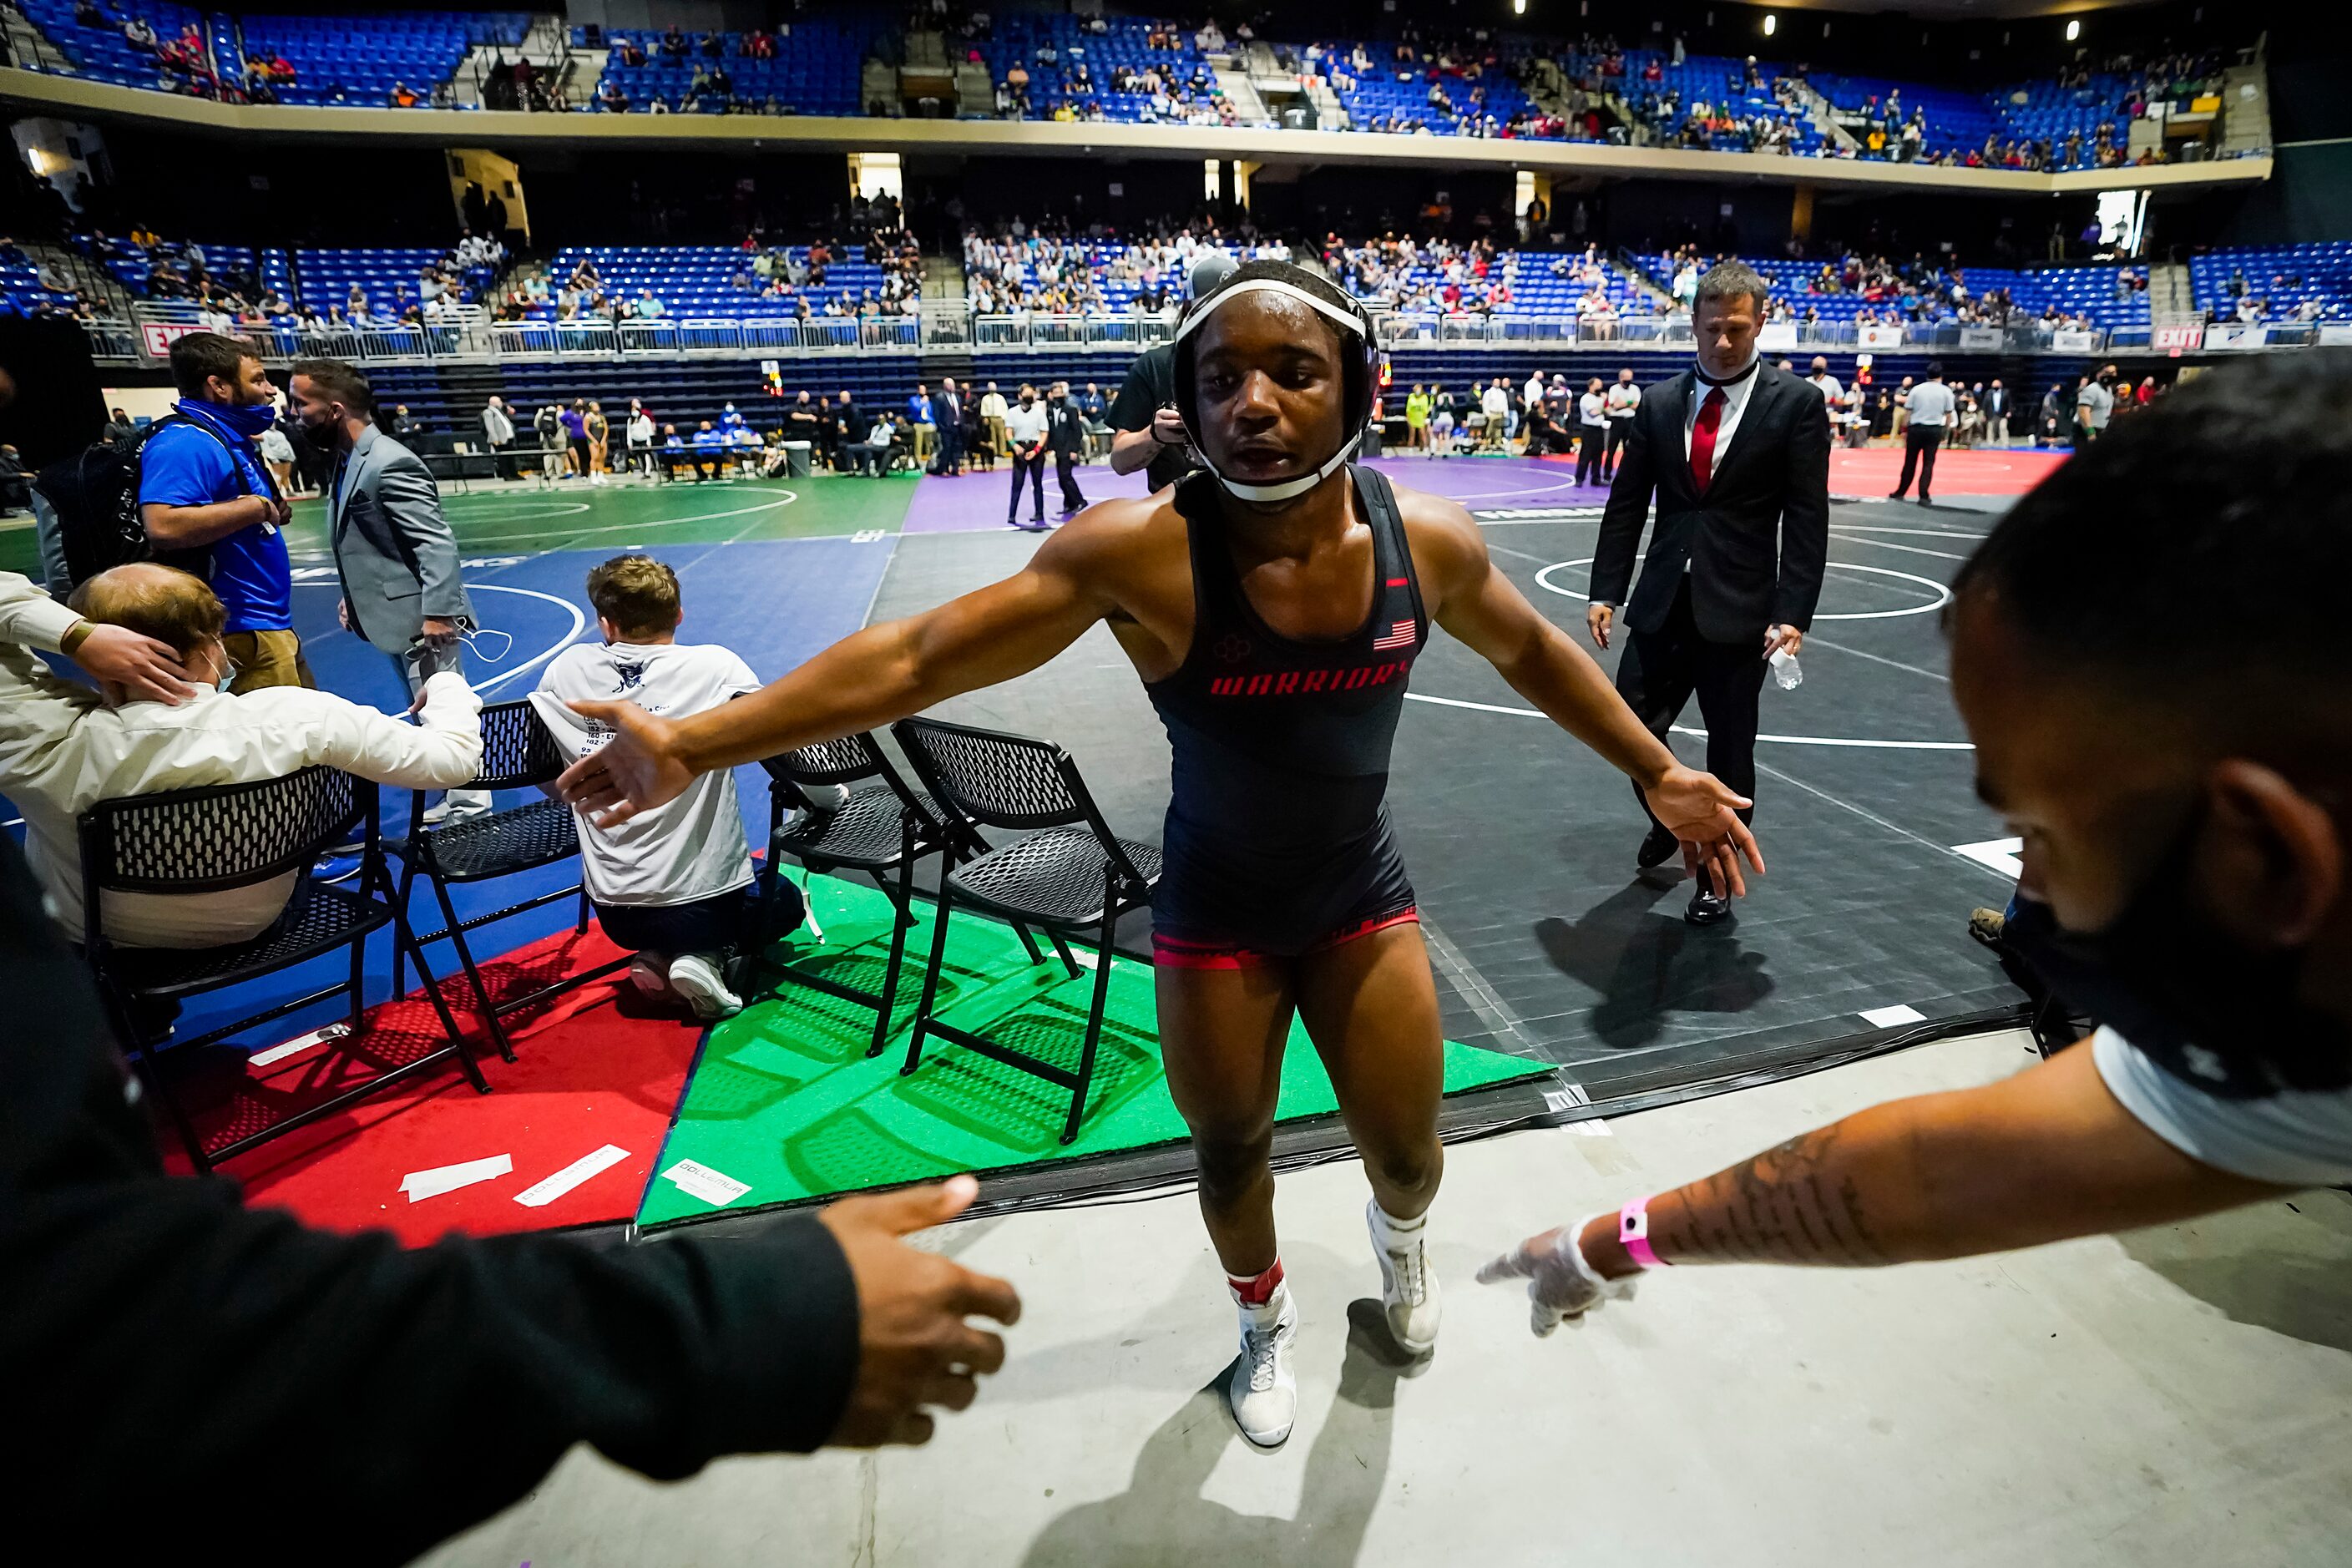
x,y
1634,1233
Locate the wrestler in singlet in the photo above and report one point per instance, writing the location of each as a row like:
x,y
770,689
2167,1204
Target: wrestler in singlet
x,y
1282,896
1278,840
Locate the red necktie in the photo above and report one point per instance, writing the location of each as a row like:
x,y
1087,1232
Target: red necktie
x,y
1710,419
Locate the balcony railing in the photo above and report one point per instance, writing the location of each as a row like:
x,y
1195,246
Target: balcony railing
x,y
470,336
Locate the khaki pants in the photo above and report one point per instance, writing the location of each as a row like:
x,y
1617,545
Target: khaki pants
x,y
995,423
923,434
267,658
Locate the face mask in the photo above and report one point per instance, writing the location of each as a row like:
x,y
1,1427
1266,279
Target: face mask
x,y
248,419
2207,1009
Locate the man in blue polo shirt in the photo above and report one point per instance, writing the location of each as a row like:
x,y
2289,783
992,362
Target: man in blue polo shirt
x,y
203,490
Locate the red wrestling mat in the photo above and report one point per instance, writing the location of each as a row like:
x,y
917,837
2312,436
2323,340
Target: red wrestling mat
x,y
1870,472
597,1067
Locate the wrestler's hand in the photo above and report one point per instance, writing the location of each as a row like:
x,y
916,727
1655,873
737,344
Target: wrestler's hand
x,y
636,771
1560,1283
1701,810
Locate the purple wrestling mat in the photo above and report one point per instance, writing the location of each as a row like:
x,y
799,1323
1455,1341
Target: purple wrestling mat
x,y
974,501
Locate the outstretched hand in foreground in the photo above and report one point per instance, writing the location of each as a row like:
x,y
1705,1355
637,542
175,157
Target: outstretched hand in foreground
x,y
636,771
1701,811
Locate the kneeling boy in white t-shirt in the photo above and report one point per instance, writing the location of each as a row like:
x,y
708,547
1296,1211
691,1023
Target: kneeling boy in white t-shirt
x,y
673,882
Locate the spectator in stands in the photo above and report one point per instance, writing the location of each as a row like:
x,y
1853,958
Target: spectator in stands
x,y
991,418
1066,437
1995,409
843,425
205,495
1623,402
918,415
277,454
497,433
1026,428
574,418
15,484
1593,433
947,417
162,717
600,439
2095,401
871,454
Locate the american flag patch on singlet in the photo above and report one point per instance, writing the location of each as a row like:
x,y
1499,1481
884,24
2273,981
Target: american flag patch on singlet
x,y
1398,635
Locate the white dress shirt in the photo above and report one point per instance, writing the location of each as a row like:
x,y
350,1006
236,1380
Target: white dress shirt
x,y
1735,404
63,750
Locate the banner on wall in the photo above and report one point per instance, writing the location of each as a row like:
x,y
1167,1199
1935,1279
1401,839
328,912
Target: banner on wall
x,y
2074,340
1878,337
2177,337
1980,339
2335,334
1778,338
2236,335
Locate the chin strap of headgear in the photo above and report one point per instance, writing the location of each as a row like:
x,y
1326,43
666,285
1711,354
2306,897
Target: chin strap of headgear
x,y
1347,322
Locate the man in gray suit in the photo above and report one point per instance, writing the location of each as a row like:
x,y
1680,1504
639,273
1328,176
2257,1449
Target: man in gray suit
x,y
393,550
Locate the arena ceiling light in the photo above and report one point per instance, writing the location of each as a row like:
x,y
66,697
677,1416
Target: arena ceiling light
x,y
1771,24
2074,29
1519,8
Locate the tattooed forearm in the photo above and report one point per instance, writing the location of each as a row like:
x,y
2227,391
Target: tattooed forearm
x,y
1804,1202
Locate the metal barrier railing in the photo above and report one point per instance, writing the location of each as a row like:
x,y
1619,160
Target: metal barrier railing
x,y
468,335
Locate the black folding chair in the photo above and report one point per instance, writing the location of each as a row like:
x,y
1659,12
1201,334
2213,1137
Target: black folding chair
x,y
1074,877
222,836
882,828
517,754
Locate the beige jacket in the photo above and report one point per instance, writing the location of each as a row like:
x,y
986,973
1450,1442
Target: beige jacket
x,y
62,750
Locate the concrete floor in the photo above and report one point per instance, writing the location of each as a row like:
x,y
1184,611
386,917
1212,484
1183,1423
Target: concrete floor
x,y
2180,1395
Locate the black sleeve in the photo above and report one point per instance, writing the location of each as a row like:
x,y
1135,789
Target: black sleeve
x,y
1139,398
1804,517
1628,510
159,1340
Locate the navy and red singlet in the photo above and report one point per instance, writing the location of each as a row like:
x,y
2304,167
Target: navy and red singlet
x,y
1278,840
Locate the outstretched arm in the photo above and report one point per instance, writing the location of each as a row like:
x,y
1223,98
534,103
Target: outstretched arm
x,y
2043,1156
866,679
1486,610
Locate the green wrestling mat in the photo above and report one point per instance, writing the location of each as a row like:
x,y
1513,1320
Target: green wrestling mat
x,y
784,1102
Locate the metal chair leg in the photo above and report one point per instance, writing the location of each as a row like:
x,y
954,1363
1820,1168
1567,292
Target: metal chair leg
x,y
1069,960
358,996
1028,942
403,934
903,901
143,1057
1093,1022
496,1030
400,901
931,983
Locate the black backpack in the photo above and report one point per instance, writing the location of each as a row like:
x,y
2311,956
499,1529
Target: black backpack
x,y
95,494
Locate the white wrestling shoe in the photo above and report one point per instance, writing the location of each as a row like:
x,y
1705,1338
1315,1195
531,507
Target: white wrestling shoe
x,y
698,981
649,972
1263,1391
1408,1289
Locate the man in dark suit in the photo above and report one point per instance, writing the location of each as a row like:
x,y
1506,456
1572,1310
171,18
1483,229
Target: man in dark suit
x,y
947,414
1737,455
1066,437
844,427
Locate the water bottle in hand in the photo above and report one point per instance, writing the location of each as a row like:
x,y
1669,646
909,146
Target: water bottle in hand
x,y
1785,670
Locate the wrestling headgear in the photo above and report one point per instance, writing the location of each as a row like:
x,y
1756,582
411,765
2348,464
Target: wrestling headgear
x,y
1359,363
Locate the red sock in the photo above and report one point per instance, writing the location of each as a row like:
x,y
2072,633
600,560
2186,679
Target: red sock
x,y
1258,1291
